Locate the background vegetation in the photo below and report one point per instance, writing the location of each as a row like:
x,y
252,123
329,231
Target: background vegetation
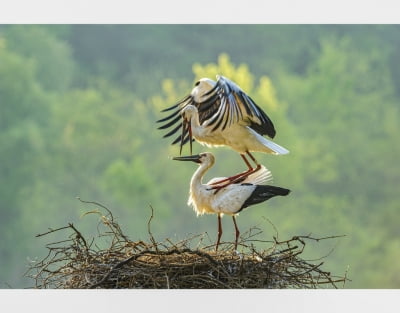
x,y
78,105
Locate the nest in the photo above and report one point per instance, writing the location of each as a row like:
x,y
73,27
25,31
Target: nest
x,y
79,263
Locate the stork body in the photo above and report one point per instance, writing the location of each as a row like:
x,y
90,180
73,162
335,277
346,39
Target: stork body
x,y
221,114
239,136
230,199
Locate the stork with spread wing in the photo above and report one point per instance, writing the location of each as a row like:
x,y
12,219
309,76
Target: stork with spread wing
x,y
222,114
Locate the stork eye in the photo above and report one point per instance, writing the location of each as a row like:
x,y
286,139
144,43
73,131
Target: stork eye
x,y
197,83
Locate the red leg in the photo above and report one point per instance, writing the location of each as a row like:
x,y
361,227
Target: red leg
x,y
253,158
230,179
251,170
246,161
219,232
238,177
237,231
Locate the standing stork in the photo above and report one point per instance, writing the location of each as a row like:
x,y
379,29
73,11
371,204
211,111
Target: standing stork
x,y
221,114
230,199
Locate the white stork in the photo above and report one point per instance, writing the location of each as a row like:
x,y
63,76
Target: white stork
x,y
221,114
230,199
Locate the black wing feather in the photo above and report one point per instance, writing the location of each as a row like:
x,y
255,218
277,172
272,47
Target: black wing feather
x,y
223,104
177,104
263,193
168,117
266,127
173,131
170,123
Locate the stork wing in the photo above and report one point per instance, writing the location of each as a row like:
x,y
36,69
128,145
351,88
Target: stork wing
x,y
223,104
175,120
263,175
235,105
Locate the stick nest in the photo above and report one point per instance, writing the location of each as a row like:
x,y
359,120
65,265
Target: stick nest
x,y
78,263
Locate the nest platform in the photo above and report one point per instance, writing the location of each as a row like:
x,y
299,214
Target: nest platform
x,y
79,263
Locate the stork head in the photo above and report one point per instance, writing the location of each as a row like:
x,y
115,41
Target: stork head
x,y
202,158
189,111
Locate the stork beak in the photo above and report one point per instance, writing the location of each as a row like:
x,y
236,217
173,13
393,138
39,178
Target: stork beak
x,y
184,124
190,136
193,158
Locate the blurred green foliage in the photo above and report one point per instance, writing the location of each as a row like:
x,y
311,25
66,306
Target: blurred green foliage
x,y
78,105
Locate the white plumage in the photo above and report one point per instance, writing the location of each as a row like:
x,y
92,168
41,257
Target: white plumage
x,y
230,199
239,136
227,200
221,114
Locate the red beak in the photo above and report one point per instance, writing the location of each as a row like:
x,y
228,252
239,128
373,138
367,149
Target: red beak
x,y
190,136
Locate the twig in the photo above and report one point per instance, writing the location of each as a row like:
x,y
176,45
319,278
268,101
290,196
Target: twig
x,y
149,229
79,235
52,231
136,256
98,204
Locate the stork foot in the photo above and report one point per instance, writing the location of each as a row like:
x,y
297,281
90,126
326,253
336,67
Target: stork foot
x,y
235,179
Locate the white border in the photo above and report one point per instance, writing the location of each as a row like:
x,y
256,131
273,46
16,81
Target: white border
x,y
214,12
230,301
200,11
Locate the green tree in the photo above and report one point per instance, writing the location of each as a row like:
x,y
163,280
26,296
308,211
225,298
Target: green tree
x,y
23,113
348,96
51,57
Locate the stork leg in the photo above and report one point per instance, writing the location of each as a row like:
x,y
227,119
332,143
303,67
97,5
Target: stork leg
x,y
237,231
219,232
239,177
233,178
251,170
246,161
254,160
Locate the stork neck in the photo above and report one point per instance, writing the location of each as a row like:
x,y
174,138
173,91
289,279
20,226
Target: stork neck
x,y
194,120
197,178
